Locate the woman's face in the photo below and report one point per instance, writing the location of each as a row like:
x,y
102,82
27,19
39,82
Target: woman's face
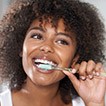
x,y
47,44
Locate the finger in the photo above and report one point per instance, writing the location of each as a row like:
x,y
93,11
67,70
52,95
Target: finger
x,y
82,70
73,79
98,68
103,72
90,68
75,68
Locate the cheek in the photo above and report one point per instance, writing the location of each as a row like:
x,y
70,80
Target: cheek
x,y
29,47
66,56
25,53
27,62
25,57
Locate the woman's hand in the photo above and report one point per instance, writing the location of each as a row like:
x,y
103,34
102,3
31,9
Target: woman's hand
x,y
91,86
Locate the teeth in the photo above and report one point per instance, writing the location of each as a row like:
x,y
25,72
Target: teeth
x,y
44,62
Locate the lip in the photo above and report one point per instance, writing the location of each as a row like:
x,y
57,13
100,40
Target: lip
x,y
49,57
46,58
43,71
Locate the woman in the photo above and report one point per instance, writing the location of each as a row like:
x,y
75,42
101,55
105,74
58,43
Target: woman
x,y
65,33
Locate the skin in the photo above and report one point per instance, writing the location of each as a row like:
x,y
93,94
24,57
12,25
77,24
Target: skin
x,y
91,89
49,47
41,87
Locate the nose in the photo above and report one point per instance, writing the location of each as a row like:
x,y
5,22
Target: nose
x,y
46,48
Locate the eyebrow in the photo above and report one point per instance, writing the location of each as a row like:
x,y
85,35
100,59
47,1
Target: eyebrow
x,y
41,29
36,28
64,34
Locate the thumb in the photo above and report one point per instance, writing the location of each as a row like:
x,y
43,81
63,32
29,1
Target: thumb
x,y
73,79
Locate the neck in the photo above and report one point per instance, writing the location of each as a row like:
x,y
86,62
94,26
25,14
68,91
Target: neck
x,y
44,92
40,95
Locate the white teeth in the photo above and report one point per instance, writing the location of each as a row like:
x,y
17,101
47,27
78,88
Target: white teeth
x,y
44,62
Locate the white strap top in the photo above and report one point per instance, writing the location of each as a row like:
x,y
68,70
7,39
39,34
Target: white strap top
x,y
6,99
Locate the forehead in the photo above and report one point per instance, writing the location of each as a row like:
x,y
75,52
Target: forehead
x,y
58,25
51,27
49,22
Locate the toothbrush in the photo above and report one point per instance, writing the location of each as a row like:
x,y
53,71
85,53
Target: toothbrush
x,y
47,67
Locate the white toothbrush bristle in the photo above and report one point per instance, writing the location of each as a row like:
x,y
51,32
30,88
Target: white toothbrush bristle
x,y
45,66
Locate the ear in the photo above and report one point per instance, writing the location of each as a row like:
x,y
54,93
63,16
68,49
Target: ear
x,y
74,61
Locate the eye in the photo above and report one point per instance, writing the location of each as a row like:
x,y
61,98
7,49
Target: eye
x,y
37,36
62,42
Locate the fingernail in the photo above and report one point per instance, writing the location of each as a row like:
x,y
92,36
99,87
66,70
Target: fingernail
x,y
97,73
74,71
82,77
94,73
90,76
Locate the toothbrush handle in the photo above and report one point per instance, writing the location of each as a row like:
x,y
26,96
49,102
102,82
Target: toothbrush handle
x,y
70,69
103,74
65,69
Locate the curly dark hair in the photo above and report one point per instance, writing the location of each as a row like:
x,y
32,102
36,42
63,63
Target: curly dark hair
x,y
79,17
